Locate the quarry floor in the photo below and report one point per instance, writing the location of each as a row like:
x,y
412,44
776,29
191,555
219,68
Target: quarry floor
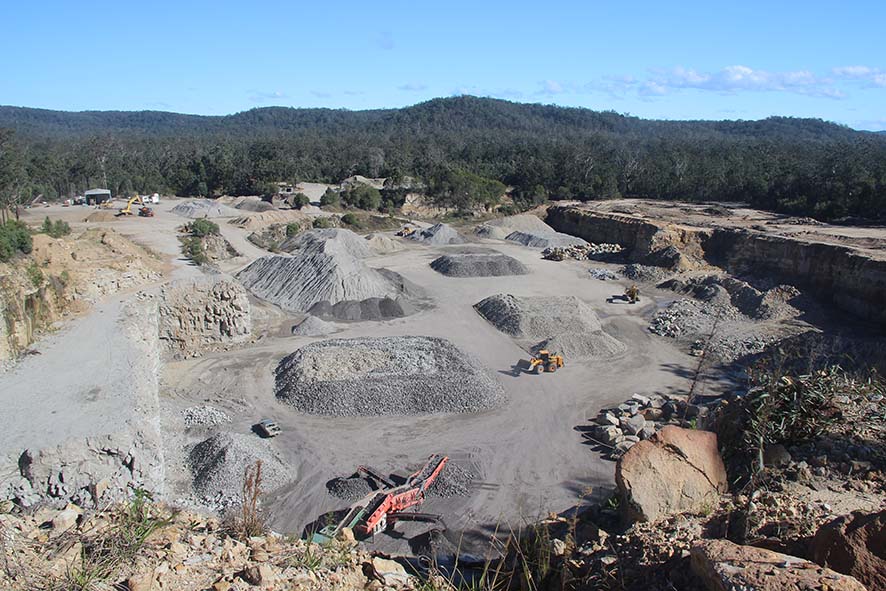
x,y
529,455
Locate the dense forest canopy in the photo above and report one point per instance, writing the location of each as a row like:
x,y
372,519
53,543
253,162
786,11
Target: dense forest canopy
x,y
461,148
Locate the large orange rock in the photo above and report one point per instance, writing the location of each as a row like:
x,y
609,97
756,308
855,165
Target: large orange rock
x,y
724,566
854,545
675,471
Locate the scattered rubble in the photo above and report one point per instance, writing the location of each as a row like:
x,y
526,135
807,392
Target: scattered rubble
x,y
603,274
204,416
580,252
384,376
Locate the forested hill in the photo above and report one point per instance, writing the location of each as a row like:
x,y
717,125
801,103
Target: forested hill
x,y
454,145
439,115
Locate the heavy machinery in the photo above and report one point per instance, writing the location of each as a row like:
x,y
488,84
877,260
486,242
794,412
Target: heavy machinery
x,y
632,294
128,209
405,231
545,362
371,514
146,212
554,254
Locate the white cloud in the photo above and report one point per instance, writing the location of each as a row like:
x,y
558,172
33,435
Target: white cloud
x,y
865,74
738,78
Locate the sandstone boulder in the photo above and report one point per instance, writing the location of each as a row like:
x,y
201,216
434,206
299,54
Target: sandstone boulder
x,y
674,471
724,566
854,545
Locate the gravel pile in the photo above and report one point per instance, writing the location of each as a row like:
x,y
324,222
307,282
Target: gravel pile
x,y
381,244
204,209
453,481
637,272
556,239
478,265
563,324
500,228
255,205
437,235
369,376
603,274
219,463
349,489
327,268
728,292
368,309
204,416
312,326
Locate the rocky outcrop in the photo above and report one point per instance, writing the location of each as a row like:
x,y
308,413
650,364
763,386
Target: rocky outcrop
x,y
199,315
724,566
846,278
854,545
675,471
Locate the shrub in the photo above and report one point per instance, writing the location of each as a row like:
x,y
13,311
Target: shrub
x,y
330,197
14,237
363,197
203,227
35,274
324,222
55,229
300,200
350,219
292,229
193,249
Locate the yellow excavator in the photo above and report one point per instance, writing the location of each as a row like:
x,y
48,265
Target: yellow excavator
x,y
545,362
632,294
128,209
406,231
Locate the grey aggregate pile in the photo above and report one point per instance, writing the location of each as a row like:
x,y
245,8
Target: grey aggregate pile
x,y
563,324
204,416
453,481
603,274
313,327
637,272
217,464
500,228
557,239
367,376
349,489
437,235
478,265
204,208
368,309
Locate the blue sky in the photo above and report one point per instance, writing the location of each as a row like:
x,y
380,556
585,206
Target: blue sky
x,y
677,60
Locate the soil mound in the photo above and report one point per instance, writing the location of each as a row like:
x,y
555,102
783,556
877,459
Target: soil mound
x,y
381,244
205,208
265,219
313,327
371,376
255,205
554,240
217,465
564,324
478,265
102,215
439,234
328,270
500,228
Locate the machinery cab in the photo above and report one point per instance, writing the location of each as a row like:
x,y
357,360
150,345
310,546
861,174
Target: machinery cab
x,y
546,362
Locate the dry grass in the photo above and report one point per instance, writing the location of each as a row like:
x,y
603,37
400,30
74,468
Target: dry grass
x,y
249,520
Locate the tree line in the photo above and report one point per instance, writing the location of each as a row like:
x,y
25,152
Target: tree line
x,y
461,150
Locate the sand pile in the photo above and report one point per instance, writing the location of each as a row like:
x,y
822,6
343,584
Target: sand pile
x,y
478,265
437,235
553,240
343,240
381,244
261,220
217,465
563,324
205,208
313,327
369,376
102,215
500,228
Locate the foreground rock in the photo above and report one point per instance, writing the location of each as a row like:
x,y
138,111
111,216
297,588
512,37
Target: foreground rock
x,y
199,315
724,566
855,545
675,471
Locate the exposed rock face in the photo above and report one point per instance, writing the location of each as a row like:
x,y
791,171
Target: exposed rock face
x,y
675,471
854,545
198,315
848,279
724,566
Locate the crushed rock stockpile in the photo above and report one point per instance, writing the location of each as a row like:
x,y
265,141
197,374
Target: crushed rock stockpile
x,y
478,265
500,228
438,235
350,489
327,276
313,327
218,464
739,296
198,315
381,244
204,209
369,376
553,240
562,324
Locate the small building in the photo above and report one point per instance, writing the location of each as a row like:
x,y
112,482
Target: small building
x,y
96,196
